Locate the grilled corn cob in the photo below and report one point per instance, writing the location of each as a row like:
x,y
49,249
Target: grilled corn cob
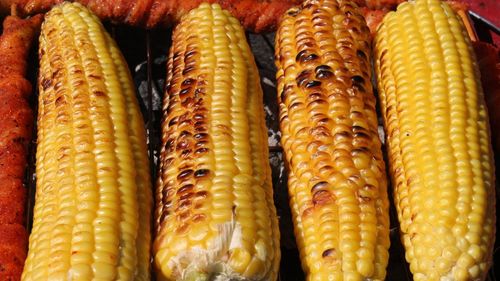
x,y
439,145
215,217
93,199
337,181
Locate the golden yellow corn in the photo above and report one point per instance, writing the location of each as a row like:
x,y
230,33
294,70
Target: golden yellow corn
x,y
215,217
337,180
93,200
439,145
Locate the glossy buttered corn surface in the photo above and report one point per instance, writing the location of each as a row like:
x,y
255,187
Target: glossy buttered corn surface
x,y
438,141
215,217
337,181
93,198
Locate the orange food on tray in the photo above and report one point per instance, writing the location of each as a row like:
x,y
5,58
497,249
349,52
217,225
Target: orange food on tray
x,y
255,15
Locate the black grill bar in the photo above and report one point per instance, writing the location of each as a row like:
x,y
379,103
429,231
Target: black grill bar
x,y
150,114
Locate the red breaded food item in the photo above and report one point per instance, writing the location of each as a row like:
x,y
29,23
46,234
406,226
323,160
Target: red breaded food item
x,y
16,123
255,15
12,251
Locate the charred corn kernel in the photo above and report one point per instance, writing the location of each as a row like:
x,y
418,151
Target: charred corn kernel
x,y
93,200
337,179
439,146
215,216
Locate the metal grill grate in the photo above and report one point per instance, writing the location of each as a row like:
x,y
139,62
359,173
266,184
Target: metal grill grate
x,y
146,52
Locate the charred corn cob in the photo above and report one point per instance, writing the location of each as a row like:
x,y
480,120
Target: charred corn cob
x,y
93,199
215,217
439,145
337,181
